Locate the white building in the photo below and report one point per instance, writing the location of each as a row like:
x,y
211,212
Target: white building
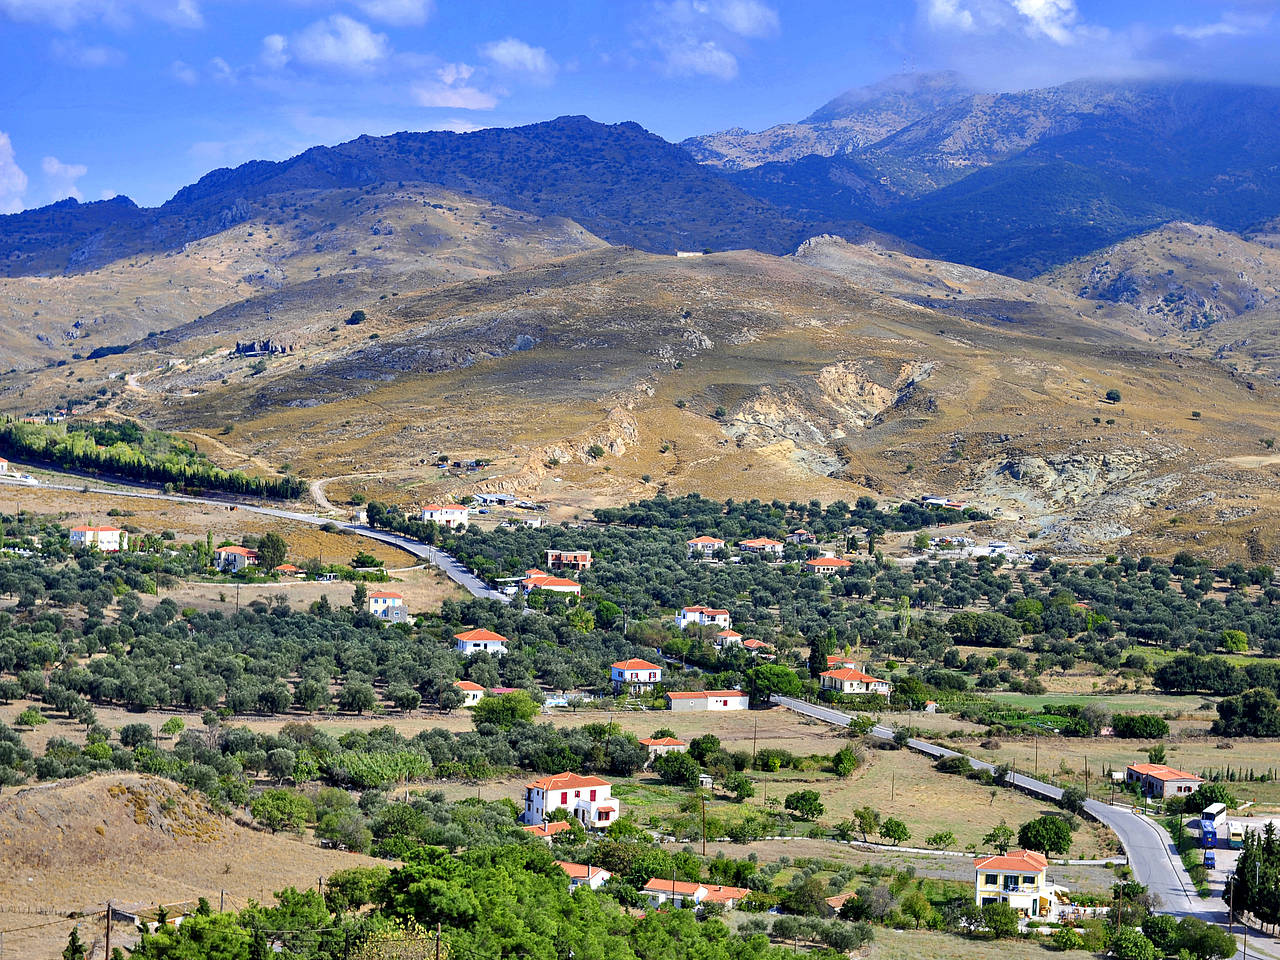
x,y
703,617
679,893
718,700
660,746
1019,878
761,545
471,692
388,606
703,548
635,675
4,465
481,641
106,539
584,875
1157,780
827,565
538,580
589,800
851,681
727,638
449,515
234,559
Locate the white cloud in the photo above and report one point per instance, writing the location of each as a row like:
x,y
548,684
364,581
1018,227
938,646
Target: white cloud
x,y
275,51
519,57
703,59
108,195
342,43
400,13
65,14
221,70
184,73
1056,20
86,55
61,177
1232,24
747,18
13,182
451,90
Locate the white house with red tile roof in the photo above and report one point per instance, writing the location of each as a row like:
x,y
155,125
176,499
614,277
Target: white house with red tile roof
x,y
851,681
635,675
234,559
659,746
537,580
827,565
704,547
288,570
446,515
106,539
1019,878
472,692
4,465
703,617
680,893
584,874
481,641
1157,780
388,605
715,700
589,800
839,900
578,560
545,831
761,545
757,647
727,638
801,536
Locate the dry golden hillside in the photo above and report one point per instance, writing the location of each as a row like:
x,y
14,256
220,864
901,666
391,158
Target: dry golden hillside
x,y
72,845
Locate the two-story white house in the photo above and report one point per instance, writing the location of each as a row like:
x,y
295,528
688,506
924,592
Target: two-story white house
x,y
704,548
1157,780
1019,878
589,800
635,675
234,559
661,746
389,606
851,681
703,617
446,515
761,545
481,641
106,539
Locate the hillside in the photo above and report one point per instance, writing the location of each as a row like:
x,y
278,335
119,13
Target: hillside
x,y
1022,182
838,371
856,118
620,182
1210,290
134,839
313,252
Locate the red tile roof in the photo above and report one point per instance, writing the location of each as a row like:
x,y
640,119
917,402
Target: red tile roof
x,y
751,643
705,540
1021,860
95,529
635,663
848,673
480,634
677,887
287,568
1158,771
238,551
568,781
662,742
545,581
709,611
580,871
546,830
760,542
719,894
468,685
447,506
386,595
837,562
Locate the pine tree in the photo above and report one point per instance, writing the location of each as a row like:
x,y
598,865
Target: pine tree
x,y
74,950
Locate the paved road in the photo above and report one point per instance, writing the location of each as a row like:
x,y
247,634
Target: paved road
x,y
447,563
1149,848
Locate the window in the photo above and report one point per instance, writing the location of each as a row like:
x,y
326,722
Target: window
x,y
564,797
592,796
604,815
991,879
1028,881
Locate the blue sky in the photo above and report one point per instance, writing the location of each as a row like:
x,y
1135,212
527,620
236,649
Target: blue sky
x,y
143,96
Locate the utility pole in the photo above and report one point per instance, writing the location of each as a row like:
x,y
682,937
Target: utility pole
x,y
1036,738
437,940
754,734
108,950
704,826
893,782
222,899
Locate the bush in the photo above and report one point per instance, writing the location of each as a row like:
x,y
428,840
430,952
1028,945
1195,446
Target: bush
x,y
805,804
357,317
1047,834
1139,726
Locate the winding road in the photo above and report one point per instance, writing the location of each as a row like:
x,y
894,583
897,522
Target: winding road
x,y
1149,848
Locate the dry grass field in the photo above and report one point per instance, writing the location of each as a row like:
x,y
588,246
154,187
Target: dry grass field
x,y
132,839
915,944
